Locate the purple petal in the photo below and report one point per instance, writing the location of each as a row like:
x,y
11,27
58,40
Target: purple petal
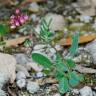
x,y
22,20
17,23
17,11
26,17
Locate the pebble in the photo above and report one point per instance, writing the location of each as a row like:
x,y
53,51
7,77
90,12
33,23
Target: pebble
x,y
75,92
86,91
58,47
57,21
36,67
8,67
39,75
85,19
34,7
21,58
52,50
20,75
21,83
2,93
3,79
57,94
91,47
39,46
32,87
34,17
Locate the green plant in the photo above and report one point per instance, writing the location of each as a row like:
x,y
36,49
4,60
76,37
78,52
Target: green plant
x,y
63,67
3,29
3,32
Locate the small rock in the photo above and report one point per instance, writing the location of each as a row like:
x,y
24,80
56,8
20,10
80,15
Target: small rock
x,y
39,75
58,47
57,21
57,94
20,75
23,69
91,47
3,79
32,87
39,46
34,17
21,58
50,3
83,7
35,66
2,93
86,91
52,50
75,92
21,83
85,18
8,66
34,7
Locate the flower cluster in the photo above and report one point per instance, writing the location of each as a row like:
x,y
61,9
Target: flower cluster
x,y
18,19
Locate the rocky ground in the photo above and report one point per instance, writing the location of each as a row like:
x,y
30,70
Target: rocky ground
x,y
20,75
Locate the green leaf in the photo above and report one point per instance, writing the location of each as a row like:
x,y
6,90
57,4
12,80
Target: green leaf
x,y
60,64
70,63
41,59
28,43
63,85
45,33
74,45
3,29
74,79
59,75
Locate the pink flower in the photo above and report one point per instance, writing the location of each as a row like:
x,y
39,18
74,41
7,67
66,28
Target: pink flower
x,y
17,11
18,19
25,17
17,23
22,20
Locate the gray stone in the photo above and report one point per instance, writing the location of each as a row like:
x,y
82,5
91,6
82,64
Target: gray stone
x,y
2,93
39,46
57,94
21,83
57,21
91,47
86,91
32,87
21,58
20,75
34,7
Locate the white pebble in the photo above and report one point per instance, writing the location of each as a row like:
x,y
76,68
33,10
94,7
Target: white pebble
x,y
57,94
2,93
39,74
39,46
86,91
20,75
21,83
75,91
32,87
52,50
85,19
34,7
58,47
